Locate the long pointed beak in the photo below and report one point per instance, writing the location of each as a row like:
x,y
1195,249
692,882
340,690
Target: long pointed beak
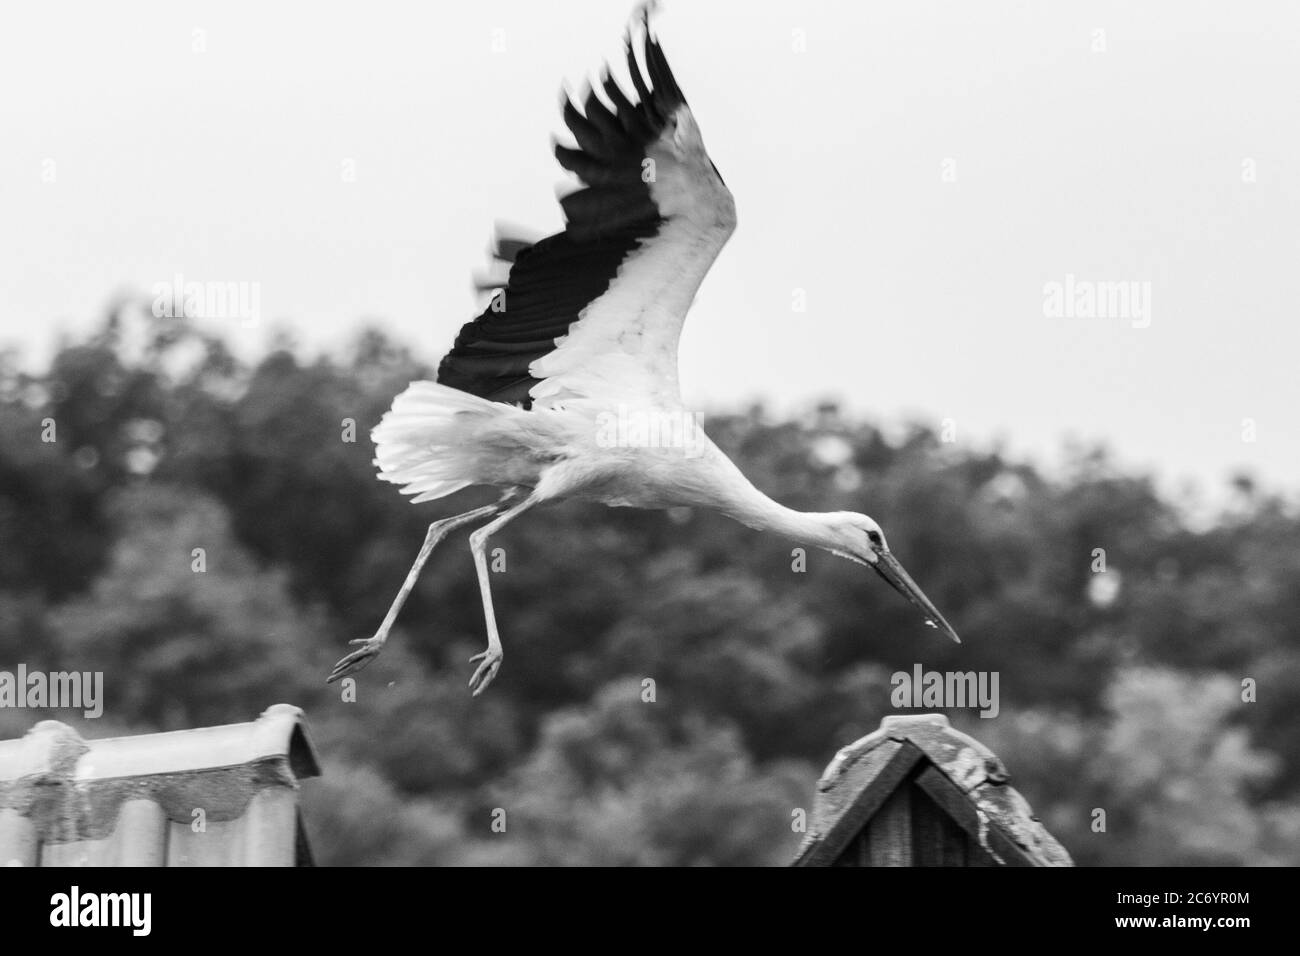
x,y
887,567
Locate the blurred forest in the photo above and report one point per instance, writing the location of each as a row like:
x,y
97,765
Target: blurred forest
x,y
1119,690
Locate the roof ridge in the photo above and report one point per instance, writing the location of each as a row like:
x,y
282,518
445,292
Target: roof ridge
x,y
53,747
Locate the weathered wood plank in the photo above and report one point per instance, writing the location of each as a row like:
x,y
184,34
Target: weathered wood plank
x,y
850,855
937,840
976,855
890,830
889,778
949,797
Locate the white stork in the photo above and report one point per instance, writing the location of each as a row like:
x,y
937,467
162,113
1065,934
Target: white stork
x,y
586,326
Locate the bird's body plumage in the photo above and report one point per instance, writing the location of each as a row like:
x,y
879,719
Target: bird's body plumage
x,y
586,324
436,440
566,385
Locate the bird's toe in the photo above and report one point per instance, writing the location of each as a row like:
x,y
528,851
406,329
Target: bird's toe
x,y
357,660
486,672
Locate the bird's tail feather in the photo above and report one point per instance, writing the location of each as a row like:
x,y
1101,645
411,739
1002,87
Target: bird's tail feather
x,y
421,441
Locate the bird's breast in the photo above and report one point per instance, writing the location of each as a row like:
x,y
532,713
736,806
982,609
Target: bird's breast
x,y
651,477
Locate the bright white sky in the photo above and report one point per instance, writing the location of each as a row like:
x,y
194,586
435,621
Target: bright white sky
x,y
924,297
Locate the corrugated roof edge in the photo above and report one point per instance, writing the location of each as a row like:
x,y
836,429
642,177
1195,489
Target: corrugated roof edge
x,y
54,747
973,767
133,800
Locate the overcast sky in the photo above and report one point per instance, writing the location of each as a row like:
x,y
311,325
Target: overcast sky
x,y
914,174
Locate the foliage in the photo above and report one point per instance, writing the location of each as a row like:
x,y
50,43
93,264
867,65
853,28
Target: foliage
x,y
1126,698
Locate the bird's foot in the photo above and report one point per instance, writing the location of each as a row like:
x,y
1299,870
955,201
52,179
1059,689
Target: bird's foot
x,y
363,655
487,670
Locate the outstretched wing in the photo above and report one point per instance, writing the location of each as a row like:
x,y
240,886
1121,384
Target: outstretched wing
x,y
594,313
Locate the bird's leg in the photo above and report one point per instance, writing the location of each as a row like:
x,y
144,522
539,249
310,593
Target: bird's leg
x,y
370,647
491,658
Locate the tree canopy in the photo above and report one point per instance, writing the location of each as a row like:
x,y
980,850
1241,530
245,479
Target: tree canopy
x,y
674,682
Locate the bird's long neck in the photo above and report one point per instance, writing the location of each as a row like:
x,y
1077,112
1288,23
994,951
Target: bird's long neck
x,y
750,506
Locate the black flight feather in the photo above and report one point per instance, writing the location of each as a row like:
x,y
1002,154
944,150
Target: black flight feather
x,y
553,280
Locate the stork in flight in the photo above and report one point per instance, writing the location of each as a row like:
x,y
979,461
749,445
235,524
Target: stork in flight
x,y
586,325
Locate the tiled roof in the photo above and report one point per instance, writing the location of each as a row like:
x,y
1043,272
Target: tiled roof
x,y
216,796
997,814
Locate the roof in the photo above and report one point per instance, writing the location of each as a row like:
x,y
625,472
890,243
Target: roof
x,y
958,773
215,796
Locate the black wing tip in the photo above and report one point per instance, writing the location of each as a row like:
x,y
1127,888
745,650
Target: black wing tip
x,y
642,12
509,239
612,130
657,84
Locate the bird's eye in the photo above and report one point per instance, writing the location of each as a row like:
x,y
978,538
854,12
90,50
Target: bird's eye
x,y
874,538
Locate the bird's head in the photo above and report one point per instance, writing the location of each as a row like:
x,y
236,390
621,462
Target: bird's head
x,y
859,538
